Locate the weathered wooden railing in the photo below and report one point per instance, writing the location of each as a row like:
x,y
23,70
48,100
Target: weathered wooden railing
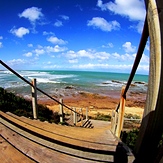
x,y
34,95
151,130
118,114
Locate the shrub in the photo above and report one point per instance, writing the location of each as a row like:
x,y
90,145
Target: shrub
x,y
103,117
129,138
9,102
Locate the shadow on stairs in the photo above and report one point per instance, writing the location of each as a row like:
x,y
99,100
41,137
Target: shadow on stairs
x,y
86,123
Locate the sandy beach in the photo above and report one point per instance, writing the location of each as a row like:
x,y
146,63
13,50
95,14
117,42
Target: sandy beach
x,y
97,103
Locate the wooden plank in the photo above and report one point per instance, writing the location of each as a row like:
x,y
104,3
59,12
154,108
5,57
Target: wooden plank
x,y
152,124
36,151
96,135
9,154
64,139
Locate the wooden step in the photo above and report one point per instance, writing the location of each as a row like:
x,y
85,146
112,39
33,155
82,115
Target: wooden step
x,y
99,145
36,151
61,139
10,154
97,135
88,155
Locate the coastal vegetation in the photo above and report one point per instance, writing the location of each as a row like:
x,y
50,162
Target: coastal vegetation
x,y
130,138
102,117
9,102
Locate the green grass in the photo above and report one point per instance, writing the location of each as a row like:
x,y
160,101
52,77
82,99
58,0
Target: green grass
x,y
9,102
130,137
102,117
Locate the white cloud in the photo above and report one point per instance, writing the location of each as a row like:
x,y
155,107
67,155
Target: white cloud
x,y
55,40
58,23
102,24
32,14
147,47
16,62
144,59
51,66
29,54
1,45
45,50
103,66
73,61
144,68
114,67
123,58
64,17
128,47
138,26
109,45
132,9
20,32
30,45
55,49
48,33
102,55
39,51
90,66
84,53
91,54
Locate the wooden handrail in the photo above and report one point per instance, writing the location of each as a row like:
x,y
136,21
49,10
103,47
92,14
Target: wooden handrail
x,y
142,44
19,76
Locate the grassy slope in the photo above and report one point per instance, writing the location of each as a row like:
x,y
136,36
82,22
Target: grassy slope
x,y
9,102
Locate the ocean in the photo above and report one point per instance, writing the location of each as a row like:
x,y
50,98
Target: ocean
x,y
68,83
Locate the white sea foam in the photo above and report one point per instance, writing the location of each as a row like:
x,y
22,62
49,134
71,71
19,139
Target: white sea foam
x,y
44,80
15,85
35,74
110,83
7,72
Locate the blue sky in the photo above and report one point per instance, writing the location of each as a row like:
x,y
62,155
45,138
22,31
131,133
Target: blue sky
x,y
94,35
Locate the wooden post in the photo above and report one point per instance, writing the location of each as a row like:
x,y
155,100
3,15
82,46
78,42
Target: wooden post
x,y
81,116
114,121
86,113
152,124
34,99
121,114
61,110
74,117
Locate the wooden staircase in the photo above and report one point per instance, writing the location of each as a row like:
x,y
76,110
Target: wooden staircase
x,y
86,123
45,142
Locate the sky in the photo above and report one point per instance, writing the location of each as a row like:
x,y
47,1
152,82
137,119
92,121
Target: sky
x,y
87,35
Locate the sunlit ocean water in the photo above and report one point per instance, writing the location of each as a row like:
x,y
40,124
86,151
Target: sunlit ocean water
x,y
66,83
